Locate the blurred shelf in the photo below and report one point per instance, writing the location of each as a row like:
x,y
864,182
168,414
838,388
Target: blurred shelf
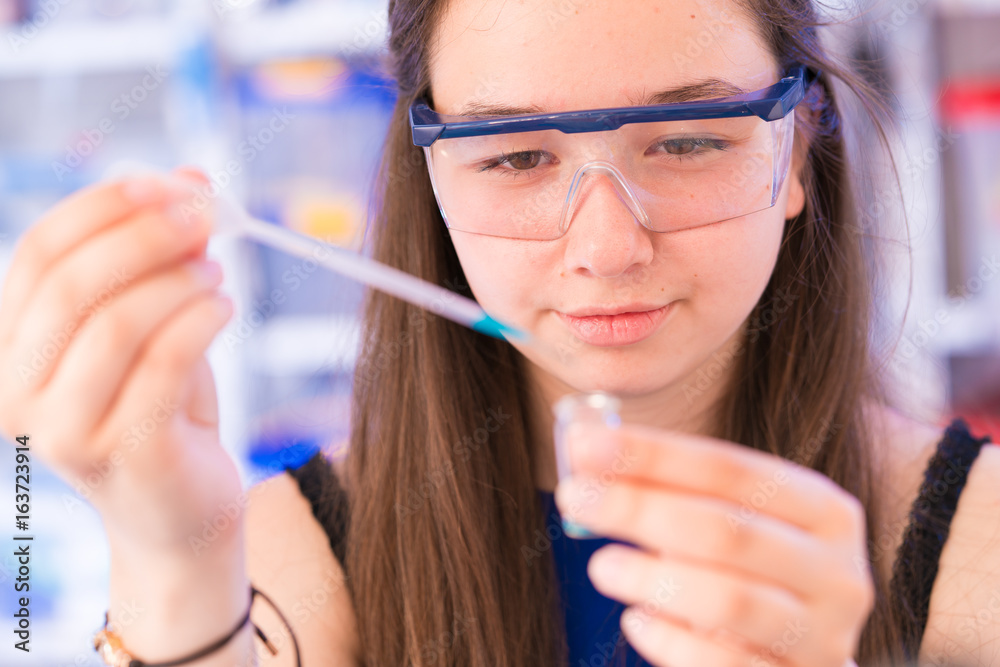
x,y
969,7
969,328
305,30
299,30
89,47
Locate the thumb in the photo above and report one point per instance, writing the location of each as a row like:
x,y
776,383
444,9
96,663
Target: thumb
x,y
198,396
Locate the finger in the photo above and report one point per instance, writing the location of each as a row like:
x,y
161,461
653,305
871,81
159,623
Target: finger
x,y
96,364
155,386
71,222
84,282
669,643
204,398
726,470
698,528
708,598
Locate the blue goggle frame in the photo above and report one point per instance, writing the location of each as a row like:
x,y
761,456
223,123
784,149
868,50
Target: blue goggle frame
x,y
771,103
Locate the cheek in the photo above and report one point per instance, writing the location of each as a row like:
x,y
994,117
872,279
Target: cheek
x,y
503,276
731,263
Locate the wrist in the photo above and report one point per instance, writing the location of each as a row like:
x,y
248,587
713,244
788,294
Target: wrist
x,y
206,543
115,652
162,599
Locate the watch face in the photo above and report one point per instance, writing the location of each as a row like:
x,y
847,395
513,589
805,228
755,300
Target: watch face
x,y
109,648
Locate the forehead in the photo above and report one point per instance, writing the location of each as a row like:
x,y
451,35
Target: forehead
x,y
562,55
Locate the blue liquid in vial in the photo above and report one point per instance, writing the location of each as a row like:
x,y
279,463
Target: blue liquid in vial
x,y
576,531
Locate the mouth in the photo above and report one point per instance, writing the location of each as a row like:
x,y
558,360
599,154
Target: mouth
x,y
612,327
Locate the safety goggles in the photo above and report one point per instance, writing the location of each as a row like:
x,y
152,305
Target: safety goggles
x,y
675,166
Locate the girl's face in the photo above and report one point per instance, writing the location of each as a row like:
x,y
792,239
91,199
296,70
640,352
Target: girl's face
x,y
563,55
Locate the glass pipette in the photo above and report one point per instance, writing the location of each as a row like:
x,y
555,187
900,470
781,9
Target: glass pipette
x,y
232,218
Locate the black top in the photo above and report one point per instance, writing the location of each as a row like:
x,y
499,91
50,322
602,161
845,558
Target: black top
x,y
914,569
916,564
322,488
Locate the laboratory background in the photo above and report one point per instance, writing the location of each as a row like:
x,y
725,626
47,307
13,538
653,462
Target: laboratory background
x,y
284,104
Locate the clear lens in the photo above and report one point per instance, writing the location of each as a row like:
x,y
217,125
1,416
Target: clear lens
x,y
672,175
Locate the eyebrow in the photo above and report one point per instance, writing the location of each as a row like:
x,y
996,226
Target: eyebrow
x,y
702,90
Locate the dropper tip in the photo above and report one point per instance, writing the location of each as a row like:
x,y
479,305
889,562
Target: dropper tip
x,y
498,329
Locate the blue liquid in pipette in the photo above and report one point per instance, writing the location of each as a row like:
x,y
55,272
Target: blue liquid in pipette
x,y
492,327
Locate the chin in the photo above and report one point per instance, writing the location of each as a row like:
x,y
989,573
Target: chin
x,y
619,383
602,369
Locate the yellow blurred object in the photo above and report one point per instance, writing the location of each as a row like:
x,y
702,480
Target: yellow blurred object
x,y
316,78
332,217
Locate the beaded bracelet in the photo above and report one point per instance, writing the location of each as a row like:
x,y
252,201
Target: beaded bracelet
x,y
109,645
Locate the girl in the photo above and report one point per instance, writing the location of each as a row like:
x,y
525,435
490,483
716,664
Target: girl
x,y
762,503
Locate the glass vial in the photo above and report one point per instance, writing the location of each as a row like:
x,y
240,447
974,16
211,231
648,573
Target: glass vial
x,y
593,408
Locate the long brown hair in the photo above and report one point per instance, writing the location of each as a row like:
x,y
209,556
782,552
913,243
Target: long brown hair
x,y
439,469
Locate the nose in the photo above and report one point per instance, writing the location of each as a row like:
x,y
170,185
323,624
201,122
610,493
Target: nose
x,y
607,226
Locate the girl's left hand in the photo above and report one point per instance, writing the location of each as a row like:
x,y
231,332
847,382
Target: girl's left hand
x,y
744,558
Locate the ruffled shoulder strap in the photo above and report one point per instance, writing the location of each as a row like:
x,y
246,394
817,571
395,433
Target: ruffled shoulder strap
x,y
930,517
319,484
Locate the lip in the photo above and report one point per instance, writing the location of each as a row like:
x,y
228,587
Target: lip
x,y
617,310
612,327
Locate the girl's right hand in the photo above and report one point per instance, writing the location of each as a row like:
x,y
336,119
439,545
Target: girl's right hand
x,y
105,315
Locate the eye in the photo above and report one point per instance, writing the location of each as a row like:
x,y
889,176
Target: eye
x,y
518,162
524,159
678,147
691,146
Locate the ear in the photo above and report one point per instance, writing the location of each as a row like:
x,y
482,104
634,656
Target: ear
x,y
796,191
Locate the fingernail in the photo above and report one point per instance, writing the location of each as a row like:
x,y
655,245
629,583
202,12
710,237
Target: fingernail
x,y
606,564
592,445
192,174
210,270
143,189
566,492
